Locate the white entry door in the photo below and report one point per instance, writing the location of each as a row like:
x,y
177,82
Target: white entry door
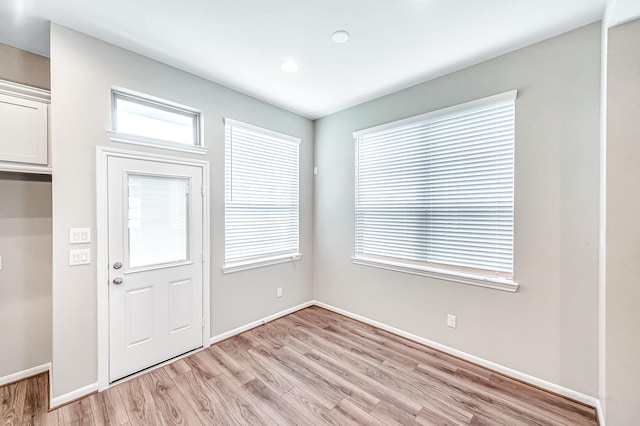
x,y
155,263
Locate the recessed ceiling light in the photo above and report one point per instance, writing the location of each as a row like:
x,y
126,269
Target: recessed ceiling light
x,y
340,36
290,65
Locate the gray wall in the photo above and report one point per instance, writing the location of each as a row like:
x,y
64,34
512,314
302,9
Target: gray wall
x,y
83,70
25,243
25,278
547,329
623,228
24,67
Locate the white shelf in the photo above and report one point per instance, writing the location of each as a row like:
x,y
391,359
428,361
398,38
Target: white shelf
x,y
24,168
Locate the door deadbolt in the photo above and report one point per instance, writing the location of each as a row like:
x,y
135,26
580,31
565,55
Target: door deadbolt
x,y
117,265
117,280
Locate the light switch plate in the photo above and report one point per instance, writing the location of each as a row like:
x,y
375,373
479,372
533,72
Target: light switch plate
x,y
79,235
451,321
79,257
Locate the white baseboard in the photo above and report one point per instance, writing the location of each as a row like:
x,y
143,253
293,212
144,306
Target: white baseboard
x,y
73,395
552,387
249,326
25,373
598,406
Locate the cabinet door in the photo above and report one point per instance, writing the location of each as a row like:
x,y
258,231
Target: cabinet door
x,y
23,130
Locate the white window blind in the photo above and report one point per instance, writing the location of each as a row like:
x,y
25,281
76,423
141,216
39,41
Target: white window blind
x,y
436,190
261,196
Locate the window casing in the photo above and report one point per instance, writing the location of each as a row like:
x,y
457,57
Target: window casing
x,y
434,194
145,120
261,197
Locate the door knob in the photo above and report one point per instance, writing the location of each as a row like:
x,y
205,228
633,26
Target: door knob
x,y
117,265
117,280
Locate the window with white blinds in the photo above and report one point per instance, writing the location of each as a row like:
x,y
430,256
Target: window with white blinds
x,y
261,197
434,193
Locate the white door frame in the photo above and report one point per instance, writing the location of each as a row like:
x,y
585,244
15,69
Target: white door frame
x,y
102,246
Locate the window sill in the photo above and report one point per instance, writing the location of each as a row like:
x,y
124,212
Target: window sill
x,y
154,143
242,266
495,283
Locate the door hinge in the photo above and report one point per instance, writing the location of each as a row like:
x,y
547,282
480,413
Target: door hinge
x,y
202,190
203,322
204,256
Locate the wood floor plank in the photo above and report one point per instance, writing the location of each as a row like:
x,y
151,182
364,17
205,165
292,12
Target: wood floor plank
x,y
344,386
349,413
12,402
450,393
206,404
36,397
51,418
561,409
108,408
177,368
431,417
350,357
308,406
325,394
565,412
137,401
345,357
228,366
203,365
168,398
78,413
398,341
277,409
268,335
310,367
361,381
433,398
235,401
238,348
341,341
310,316
390,414
489,405
371,346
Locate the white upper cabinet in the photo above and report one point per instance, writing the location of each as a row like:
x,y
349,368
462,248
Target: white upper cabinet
x,y
23,128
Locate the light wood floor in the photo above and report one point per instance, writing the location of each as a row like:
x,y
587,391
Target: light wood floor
x,y
311,367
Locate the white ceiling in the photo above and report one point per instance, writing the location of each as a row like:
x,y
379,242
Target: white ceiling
x,y
241,43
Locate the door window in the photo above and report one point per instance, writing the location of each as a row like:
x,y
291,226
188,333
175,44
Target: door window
x,y
157,220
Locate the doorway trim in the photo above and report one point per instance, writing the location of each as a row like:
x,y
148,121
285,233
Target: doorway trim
x,y
102,247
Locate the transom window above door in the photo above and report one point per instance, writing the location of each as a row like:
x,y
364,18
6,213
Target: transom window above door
x,y
145,120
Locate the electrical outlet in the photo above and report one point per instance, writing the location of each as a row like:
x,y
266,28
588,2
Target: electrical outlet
x,y
451,321
279,292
